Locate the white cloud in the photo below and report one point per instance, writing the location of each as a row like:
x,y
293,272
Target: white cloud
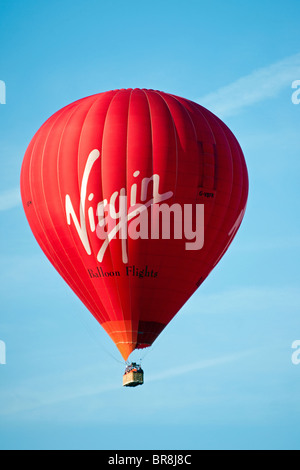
x,y
271,244
259,85
39,392
10,199
204,364
250,298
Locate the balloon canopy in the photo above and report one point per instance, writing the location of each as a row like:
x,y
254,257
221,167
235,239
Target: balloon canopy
x,y
134,196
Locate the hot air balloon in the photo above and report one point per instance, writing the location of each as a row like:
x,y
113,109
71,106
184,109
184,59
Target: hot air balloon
x,y
134,196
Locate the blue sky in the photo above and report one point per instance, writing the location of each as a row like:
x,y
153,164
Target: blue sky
x,y
221,374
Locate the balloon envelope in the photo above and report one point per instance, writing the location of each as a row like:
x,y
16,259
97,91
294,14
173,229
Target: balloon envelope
x,y
134,196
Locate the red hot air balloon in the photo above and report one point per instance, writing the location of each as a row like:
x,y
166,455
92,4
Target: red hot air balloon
x,y
134,196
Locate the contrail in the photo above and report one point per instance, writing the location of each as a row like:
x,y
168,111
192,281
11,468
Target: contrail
x,y
204,364
261,84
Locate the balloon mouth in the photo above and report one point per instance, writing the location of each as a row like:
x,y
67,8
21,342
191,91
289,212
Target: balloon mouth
x,y
127,349
129,336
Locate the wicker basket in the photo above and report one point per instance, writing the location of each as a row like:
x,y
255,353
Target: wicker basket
x,y
133,378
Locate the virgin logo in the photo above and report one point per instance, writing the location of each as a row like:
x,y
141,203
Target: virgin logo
x,y
131,219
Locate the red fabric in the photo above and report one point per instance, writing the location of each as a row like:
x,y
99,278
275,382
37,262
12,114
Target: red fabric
x,y
197,158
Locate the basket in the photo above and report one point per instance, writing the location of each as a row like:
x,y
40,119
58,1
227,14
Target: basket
x,y
133,378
